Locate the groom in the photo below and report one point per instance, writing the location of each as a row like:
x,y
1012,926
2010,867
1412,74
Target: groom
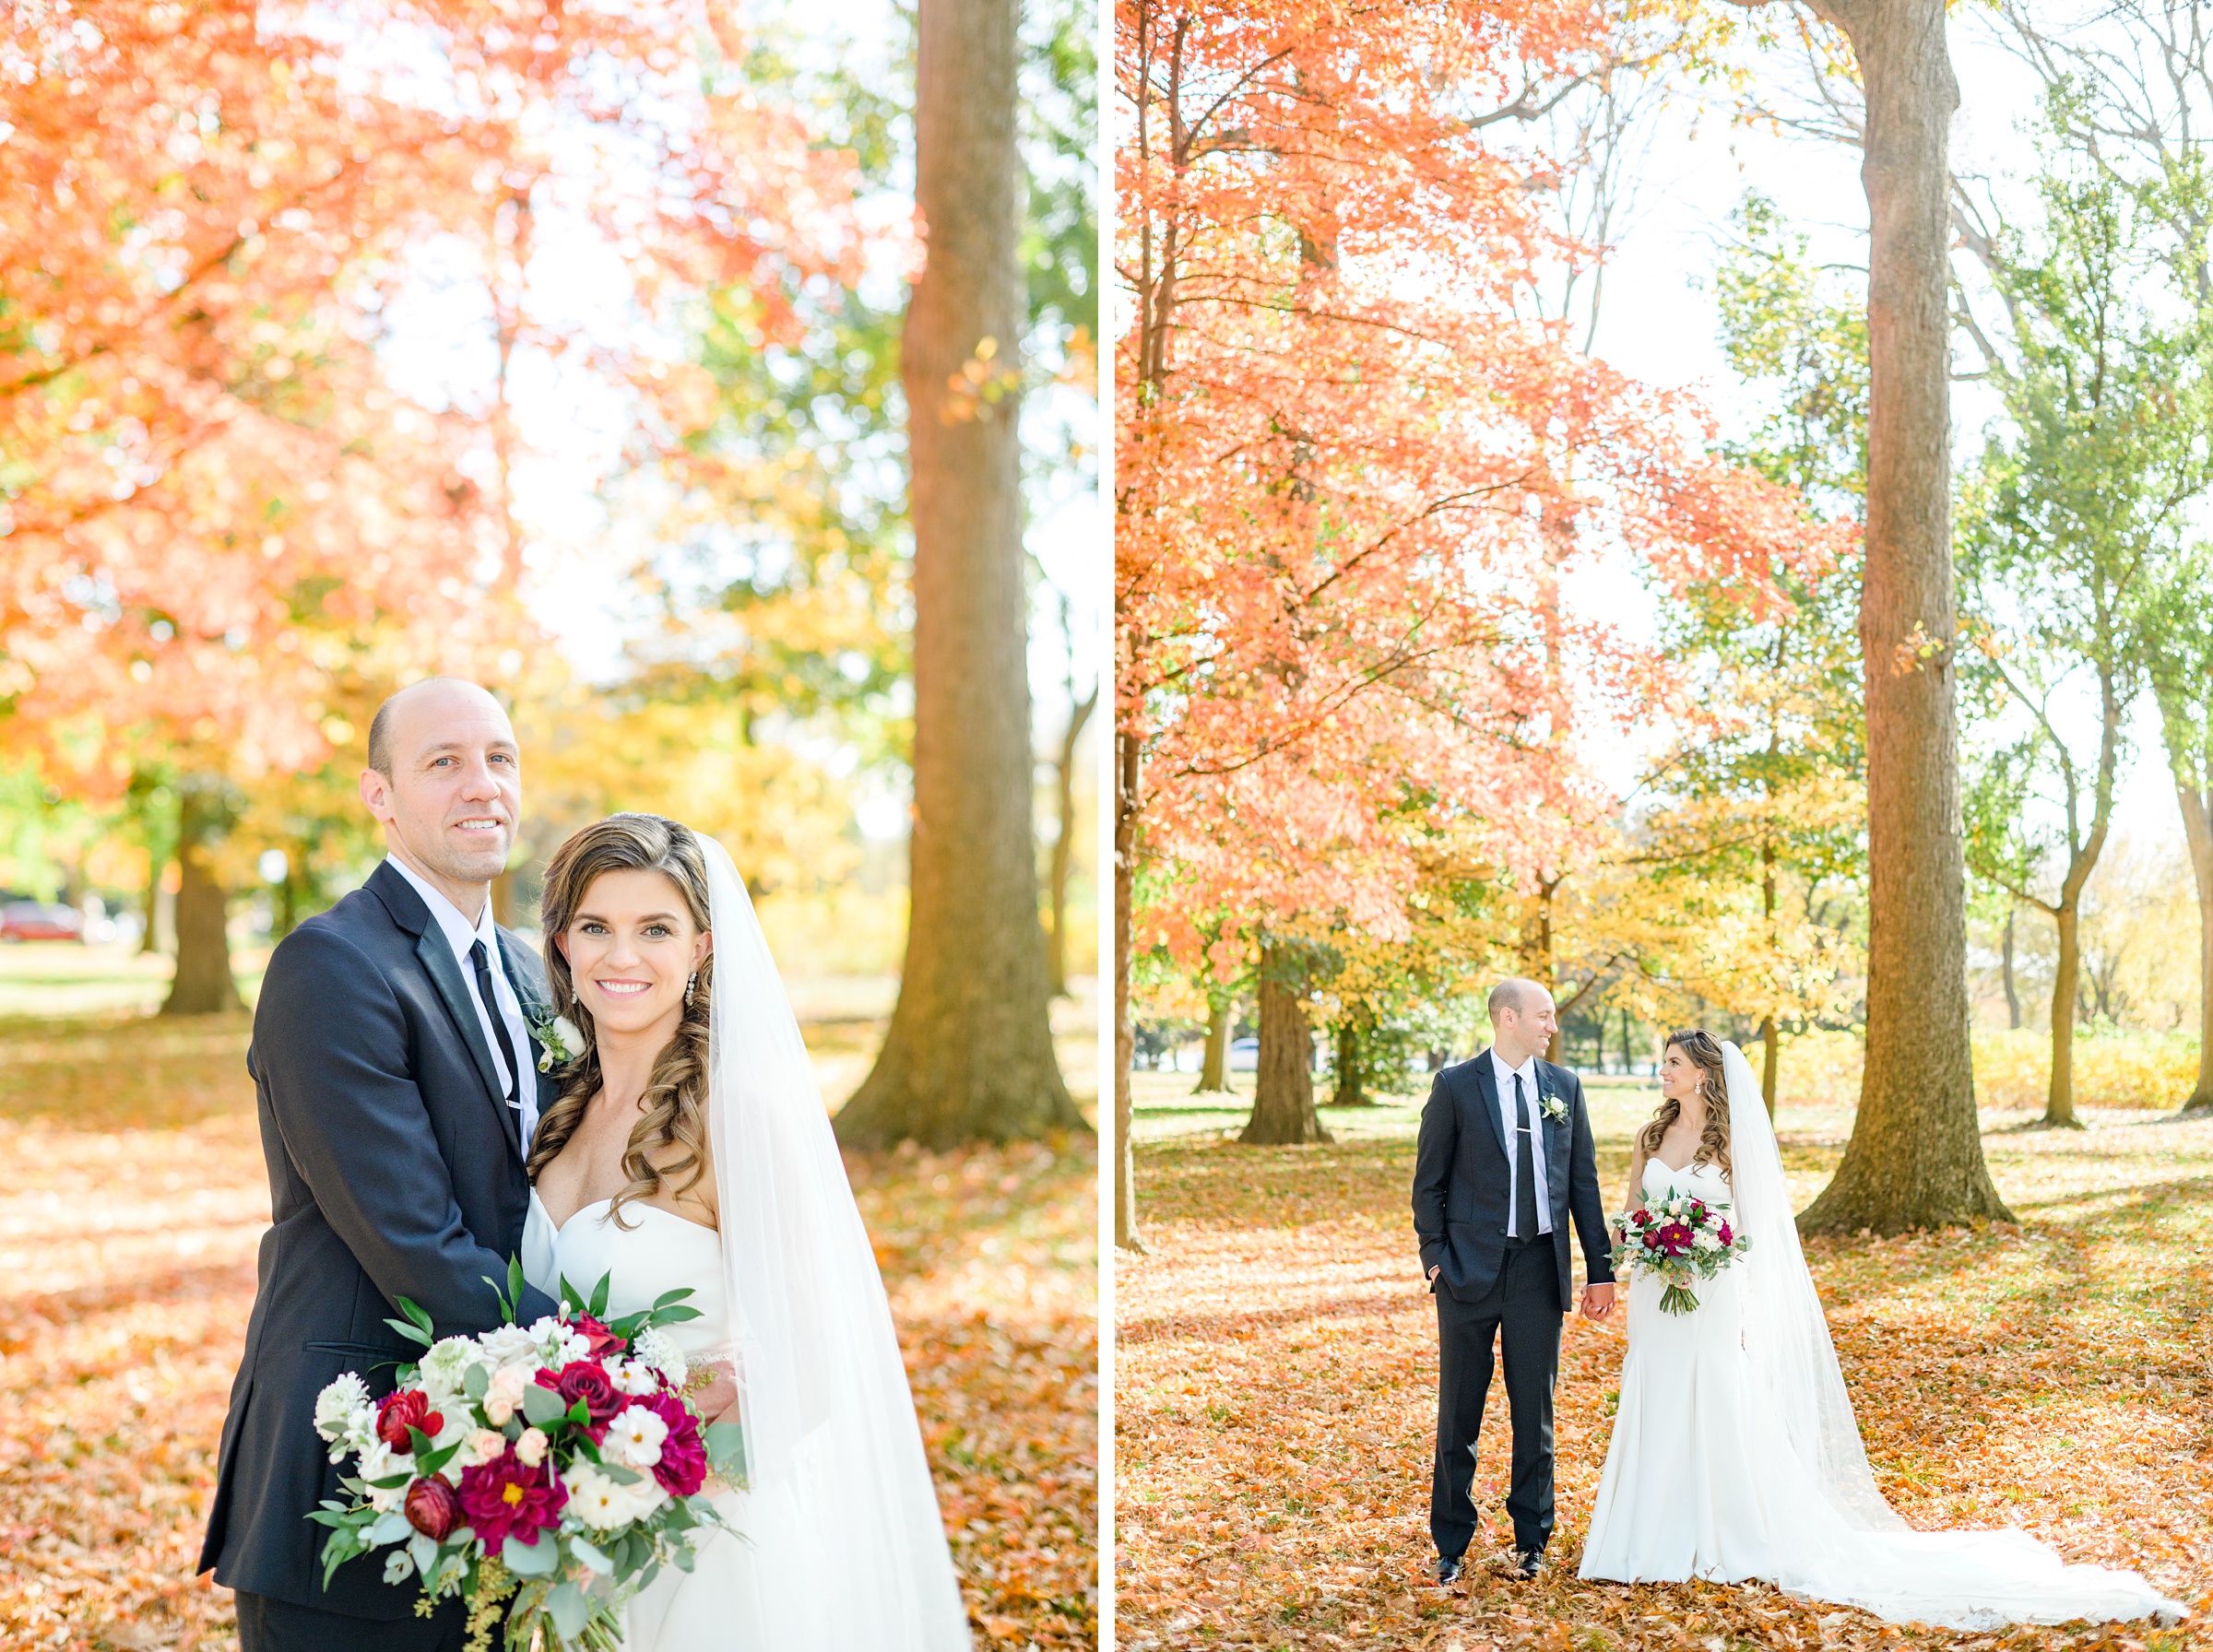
x,y
1504,1157
397,1087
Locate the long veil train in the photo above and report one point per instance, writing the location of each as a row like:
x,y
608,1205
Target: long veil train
x,y
1848,1544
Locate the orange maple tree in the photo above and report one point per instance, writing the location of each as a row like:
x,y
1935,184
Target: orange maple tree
x,y
1355,478
218,523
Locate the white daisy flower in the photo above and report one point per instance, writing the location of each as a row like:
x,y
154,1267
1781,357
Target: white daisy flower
x,y
601,1503
634,1438
633,1377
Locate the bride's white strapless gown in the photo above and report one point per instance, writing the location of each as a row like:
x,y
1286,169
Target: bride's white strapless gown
x,y
712,1605
1701,1480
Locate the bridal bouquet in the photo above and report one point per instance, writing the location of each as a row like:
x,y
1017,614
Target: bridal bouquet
x,y
1680,1239
559,1463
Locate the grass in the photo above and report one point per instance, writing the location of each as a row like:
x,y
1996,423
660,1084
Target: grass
x,y
132,1200
1276,1388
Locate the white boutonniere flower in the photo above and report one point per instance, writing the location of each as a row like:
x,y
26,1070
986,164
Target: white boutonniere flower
x,y
559,1042
1552,1108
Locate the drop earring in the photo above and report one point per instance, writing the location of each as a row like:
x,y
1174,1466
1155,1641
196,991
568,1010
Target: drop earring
x,y
690,984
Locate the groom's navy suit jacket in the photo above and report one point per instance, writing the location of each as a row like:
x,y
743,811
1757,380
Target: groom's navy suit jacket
x,y
1463,1172
395,1169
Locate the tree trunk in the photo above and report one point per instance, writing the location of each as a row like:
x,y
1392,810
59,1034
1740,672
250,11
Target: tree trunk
x,y
2013,998
203,984
1351,1090
2059,1103
155,865
969,1055
1064,846
288,900
1128,768
1283,1095
1214,1067
1770,1066
1915,1157
1598,1042
2197,827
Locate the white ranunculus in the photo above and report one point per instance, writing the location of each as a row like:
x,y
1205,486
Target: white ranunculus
x,y
381,1462
444,1368
634,1438
659,1348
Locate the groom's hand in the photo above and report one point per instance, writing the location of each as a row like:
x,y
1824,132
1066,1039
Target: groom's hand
x,y
1598,1300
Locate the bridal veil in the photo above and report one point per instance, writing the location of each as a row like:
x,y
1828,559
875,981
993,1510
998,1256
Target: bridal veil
x,y
1848,1544
842,1525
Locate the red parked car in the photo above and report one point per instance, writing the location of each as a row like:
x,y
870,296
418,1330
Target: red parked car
x,y
41,920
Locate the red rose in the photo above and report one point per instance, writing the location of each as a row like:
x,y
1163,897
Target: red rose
x,y
683,1465
410,1407
504,1498
602,1340
587,1380
432,1508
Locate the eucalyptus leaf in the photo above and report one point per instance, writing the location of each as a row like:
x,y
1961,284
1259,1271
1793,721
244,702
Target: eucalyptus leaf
x,y
590,1555
565,1602
543,1406
389,1528
475,1382
540,1559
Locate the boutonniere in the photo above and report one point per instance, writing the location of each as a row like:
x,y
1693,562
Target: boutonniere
x,y
1551,1106
559,1043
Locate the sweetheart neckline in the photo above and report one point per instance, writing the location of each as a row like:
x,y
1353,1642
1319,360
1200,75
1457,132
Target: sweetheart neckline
x,y
561,1227
1673,1170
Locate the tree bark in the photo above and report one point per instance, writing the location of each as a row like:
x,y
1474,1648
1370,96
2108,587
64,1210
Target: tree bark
x,y
203,984
1351,1088
1771,1036
1128,771
1214,1067
2059,1097
155,865
1915,1157
1283,1095
2013,998
2197,827
1064,846
969,1055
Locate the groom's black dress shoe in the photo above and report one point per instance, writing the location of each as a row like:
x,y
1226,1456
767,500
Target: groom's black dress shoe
x,y
1530,1561
1448,1572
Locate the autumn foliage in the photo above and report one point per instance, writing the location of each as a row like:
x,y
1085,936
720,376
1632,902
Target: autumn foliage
x,y
1355,468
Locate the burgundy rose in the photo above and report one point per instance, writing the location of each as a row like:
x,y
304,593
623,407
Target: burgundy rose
x,y
602,1340
683,1465
410,1407
587,1380
506,1497
432,1508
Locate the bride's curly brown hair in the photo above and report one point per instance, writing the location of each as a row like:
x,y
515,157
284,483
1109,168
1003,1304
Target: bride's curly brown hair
x,y
1705,1053
670,1141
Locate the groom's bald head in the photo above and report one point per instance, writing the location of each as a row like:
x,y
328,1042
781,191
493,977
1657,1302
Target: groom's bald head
x,y
1522,1020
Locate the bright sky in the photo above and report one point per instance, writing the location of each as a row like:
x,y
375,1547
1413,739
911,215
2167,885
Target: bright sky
x,y
1660,323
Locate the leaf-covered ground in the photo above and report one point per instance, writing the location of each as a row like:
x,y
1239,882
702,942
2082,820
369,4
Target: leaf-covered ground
x,y
132,1197
1276,1370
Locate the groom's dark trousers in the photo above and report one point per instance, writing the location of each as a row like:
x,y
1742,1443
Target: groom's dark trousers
x,y
1495,1289
395,1169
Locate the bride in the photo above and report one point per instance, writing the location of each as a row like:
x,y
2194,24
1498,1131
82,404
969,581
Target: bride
x,y
1735,1453
690,1149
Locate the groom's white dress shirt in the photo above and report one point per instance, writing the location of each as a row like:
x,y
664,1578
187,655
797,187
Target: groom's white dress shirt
x,y
1505,1077
461,935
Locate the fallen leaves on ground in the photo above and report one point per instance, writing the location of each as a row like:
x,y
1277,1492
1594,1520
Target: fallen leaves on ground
x,y
1276,1372
133,1197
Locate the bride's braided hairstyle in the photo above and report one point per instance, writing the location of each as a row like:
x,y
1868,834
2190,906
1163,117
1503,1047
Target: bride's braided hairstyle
x,y
1713,1141
670,1139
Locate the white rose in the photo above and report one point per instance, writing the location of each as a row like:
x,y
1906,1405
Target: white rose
x,y
531,1446
634,1438
512,1346
566,1040
659,1348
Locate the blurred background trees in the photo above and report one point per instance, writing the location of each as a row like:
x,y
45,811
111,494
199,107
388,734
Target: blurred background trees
x,y
549,347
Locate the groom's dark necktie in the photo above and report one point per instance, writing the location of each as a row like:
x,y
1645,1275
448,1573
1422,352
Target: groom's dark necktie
x,y
1525,1168
498,1022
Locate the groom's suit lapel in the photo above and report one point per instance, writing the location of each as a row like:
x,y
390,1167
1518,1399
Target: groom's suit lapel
x,y
437,958
1487,1092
